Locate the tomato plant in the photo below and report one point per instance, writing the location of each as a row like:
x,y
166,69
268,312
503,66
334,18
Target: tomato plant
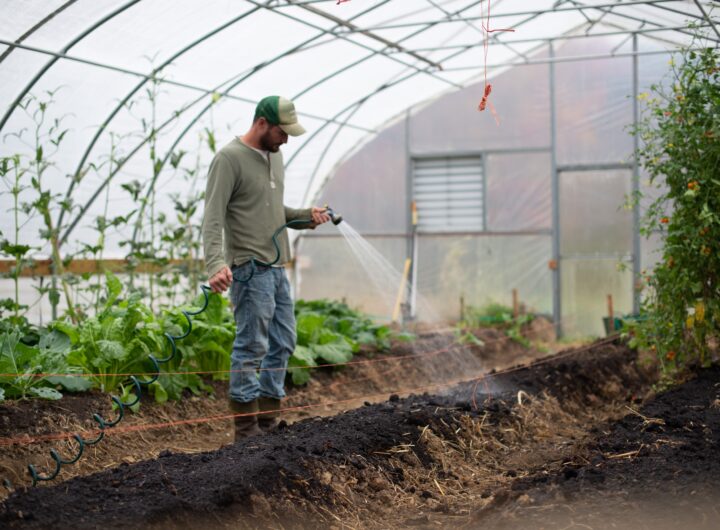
x,y
681,152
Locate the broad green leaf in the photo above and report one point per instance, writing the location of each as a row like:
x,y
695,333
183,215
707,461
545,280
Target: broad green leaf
x,y
305,356
111,350
336,352
128,396
77,358
208,346
326,336
46,393
298,371
114,288
54,342
16,251
72,384
28,356
215,313
308,327
381,332
68,329
161,395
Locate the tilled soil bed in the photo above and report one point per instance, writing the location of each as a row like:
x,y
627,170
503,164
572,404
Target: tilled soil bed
x,y
564,442
435,361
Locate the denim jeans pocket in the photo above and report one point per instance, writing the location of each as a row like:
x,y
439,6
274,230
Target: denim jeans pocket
x,y
247,270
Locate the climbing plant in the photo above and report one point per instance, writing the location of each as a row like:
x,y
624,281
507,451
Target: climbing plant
x,y
680,135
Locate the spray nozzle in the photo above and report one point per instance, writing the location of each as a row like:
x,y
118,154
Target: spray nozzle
x,y
334,217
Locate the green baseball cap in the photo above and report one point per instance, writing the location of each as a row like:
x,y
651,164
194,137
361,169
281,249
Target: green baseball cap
x,y
279,111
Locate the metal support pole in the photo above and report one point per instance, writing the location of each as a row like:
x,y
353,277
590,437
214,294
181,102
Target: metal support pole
x,y
636,183
557,308
707,17
410,251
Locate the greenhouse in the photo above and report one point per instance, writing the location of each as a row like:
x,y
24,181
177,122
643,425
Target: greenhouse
x,y
500,234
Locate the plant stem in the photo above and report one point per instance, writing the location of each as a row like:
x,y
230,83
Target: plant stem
x,y
18,261
43,205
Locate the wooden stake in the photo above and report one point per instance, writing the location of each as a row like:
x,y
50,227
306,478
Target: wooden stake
x,y
516,304
401,291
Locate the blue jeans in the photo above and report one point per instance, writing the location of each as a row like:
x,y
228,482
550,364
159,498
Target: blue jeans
x,y
265,332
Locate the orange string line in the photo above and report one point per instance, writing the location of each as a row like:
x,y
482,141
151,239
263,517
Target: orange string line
x,y
539,362
29,440
211,372
155,426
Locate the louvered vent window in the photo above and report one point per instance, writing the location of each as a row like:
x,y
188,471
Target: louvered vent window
x,y
449,194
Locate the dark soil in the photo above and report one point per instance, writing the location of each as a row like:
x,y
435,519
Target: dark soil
x,y
655,468
22,417
288,478
433,362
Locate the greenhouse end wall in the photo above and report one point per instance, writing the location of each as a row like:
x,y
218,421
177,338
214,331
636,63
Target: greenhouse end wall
x,y
513,250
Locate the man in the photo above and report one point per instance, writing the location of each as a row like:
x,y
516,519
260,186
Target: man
x,y
244,198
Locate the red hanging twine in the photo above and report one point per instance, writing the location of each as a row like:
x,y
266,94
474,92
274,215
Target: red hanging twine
x,y
485,23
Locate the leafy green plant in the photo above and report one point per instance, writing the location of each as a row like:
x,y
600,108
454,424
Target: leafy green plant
x,y
330,332
47,135
175,379
464,336
117,341
496,315
181,235
27,363
104,223
208,347
348,322
680,132
11,174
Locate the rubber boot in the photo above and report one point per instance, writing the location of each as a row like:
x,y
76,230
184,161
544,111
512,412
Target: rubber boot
x,y
269,408
245,425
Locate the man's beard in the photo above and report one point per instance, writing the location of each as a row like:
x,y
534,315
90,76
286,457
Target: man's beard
x,y
267,145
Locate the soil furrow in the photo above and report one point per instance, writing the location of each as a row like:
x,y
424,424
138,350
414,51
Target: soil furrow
x,y
357,464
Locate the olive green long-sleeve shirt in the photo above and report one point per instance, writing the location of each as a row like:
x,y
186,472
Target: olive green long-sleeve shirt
x,y
244,198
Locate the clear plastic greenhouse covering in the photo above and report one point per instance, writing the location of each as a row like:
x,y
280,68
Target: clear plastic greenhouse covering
x,y
146,89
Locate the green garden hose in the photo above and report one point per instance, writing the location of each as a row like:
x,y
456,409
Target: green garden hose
x,y
104,424
254,262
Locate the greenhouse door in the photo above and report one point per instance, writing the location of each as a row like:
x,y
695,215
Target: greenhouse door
x,y
596,242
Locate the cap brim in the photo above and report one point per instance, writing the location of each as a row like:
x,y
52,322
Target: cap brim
x,y
293,129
